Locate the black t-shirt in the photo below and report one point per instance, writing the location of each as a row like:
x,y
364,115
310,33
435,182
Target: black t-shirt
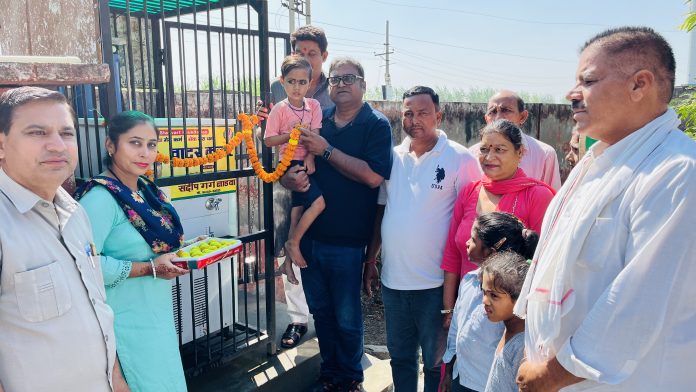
x,y
349,216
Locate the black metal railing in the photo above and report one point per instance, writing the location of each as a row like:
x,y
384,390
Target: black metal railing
x,y
193,65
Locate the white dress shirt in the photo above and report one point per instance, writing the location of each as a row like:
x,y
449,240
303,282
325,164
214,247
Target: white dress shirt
x,y
56,329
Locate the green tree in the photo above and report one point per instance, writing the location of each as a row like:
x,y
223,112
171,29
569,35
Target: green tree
x,y
685,105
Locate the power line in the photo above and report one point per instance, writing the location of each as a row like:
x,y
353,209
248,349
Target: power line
x,y
487,15
451,45
473,69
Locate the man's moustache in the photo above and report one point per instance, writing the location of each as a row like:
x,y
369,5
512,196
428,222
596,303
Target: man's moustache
x,y
577,105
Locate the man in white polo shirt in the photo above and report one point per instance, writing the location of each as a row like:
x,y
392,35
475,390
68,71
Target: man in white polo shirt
x,y
427,174
540,160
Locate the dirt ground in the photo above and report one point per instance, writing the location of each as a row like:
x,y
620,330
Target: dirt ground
x,y
373,317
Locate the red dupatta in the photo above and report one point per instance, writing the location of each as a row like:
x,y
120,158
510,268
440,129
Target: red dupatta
x,y
510,188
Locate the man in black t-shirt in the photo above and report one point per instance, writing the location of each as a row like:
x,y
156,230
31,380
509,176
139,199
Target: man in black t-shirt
x,y
354,157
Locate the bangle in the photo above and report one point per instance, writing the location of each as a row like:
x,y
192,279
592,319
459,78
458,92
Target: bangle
x,y
154,271
373,261
446,311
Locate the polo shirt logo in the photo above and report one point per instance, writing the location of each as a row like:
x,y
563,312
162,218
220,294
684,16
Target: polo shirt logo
x,y
439,176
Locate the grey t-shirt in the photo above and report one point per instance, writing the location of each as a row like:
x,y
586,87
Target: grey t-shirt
x,y
505,365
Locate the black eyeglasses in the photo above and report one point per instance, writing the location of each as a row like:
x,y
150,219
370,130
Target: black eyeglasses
x,y
347,79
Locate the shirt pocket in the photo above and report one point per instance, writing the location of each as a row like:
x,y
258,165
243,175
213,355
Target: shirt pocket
x,y
602,240
42,293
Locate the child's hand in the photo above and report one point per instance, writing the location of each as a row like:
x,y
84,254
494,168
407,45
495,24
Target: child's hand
x,y
310,166
261,111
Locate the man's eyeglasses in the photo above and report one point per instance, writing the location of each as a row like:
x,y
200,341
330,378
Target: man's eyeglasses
x,y
347,79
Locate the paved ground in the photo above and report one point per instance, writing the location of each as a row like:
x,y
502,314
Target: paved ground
x,y
297,369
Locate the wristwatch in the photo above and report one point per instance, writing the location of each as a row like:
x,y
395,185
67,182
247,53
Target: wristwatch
x,y
327,153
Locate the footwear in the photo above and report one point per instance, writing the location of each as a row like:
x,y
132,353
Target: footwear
x,y
353,386
326,385
293,333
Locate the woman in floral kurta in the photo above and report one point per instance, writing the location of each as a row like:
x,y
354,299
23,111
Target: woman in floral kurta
x,y
134,228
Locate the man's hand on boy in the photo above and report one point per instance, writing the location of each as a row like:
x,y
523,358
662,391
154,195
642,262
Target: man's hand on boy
x,y
313,142
295,179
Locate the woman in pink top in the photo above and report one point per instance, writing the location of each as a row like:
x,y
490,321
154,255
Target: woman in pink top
x,y
296,110
504,187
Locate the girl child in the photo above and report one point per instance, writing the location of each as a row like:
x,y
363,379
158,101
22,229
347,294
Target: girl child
x,y
296,72
502,276
472,339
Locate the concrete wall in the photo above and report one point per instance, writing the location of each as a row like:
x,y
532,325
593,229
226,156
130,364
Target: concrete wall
x,y
462,121
50,28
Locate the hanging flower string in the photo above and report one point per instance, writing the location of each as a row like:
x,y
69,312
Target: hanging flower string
x,y
248,123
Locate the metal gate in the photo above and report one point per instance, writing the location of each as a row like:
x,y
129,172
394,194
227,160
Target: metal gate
x,y
193,65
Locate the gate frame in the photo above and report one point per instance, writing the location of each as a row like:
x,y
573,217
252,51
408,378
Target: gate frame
x,y
109,93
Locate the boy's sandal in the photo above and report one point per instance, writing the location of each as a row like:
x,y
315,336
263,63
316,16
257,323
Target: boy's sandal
x,y
293,333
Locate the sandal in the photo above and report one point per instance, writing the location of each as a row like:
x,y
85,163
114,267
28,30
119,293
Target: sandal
x,y
294,332
354,386
326,385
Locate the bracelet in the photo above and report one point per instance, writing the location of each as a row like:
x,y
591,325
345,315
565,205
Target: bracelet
x,y
370,262
446,311
154,271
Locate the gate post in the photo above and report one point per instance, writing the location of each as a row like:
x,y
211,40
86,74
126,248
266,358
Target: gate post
x,y
261,7
107,96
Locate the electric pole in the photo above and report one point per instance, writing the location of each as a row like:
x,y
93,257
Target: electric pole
x,y
300,7
387,87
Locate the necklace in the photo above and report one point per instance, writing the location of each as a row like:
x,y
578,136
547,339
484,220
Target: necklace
x,y
302,110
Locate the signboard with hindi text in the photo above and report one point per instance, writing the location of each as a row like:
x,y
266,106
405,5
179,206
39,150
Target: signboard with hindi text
x,y
179,142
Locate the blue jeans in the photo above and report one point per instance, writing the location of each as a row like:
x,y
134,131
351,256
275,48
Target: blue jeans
x,y
332,283
414,320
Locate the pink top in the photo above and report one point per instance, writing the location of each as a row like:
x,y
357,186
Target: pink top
x,y
283,118
529,205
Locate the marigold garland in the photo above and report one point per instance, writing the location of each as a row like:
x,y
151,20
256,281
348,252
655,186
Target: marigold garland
x,y
248,123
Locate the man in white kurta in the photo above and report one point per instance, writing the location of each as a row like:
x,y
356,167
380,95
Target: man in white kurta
x,y
609,300
540,160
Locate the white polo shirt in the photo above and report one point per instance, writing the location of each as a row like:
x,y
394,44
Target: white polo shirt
x,y
419,198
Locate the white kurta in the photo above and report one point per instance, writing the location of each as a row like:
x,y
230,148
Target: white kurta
x,y
632,326
539,161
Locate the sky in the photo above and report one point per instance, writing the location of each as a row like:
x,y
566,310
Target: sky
x,y
529,46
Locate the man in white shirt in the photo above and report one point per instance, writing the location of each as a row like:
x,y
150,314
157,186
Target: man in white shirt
x,y
57,330
539,160
427,173
609,298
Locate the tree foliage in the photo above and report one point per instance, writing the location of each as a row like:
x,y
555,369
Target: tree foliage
x,y
685,105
